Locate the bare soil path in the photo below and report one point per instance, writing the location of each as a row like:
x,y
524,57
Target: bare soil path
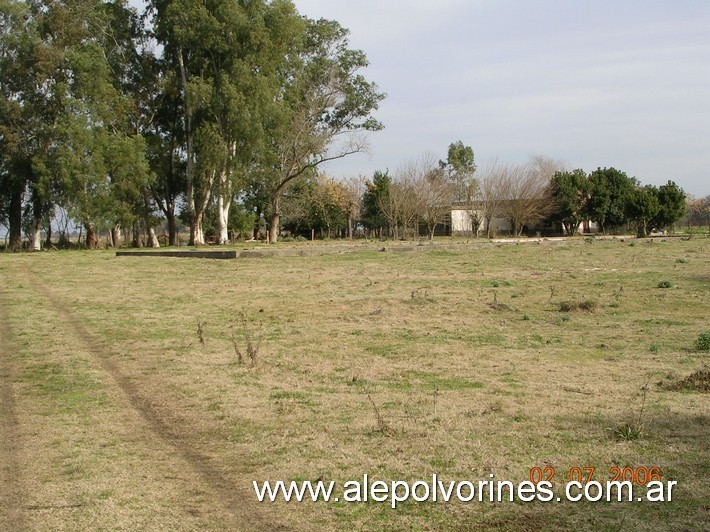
x,y
167,471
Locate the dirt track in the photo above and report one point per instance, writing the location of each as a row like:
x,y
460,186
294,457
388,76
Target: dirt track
x,y
171,457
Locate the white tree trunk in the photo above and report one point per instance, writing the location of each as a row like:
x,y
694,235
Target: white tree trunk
x,y
153,241
116,236
223,204
199,232
36,236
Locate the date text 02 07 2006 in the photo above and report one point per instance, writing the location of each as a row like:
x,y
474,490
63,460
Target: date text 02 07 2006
x,y
639,475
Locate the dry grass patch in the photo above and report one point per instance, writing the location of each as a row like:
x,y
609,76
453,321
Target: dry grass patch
x,y
698,381
390,364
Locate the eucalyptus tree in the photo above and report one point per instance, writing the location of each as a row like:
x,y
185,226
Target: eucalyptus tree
x,y
226,58
23,128
460,166
68,116
323,107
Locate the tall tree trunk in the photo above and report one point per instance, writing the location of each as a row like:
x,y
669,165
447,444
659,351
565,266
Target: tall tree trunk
x,y
197,234
223,204
172,228
36,244
116,236
92,239
48,241
137,240
350,226
275,218
15,215
152,238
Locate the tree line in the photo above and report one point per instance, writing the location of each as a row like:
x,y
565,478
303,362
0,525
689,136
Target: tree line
x,y
540,193
217,115
116,117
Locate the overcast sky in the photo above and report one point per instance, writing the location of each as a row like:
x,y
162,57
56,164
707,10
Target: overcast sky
x,y
593,83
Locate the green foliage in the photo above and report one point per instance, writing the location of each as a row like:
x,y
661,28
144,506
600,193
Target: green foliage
x,y
569,192
703,342
665,284
671,205
609,191
376,194
460,167
460,159
642,206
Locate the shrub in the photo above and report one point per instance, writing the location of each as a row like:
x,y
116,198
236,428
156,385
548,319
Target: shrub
x,y
568,306
665,284
587,305
703,342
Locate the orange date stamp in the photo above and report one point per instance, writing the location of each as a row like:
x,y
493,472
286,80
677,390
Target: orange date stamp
x,y
640,476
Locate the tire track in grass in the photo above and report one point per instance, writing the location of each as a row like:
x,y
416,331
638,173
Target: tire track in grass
x,y
10,485
169,431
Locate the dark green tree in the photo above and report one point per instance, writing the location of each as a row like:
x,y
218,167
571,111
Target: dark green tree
x,y
609,192
570,192
672,205
376,194
641,207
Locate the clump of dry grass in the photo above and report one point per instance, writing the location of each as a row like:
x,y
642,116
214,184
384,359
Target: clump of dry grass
x,y
586,305
382,426
698,381
201,332
253,345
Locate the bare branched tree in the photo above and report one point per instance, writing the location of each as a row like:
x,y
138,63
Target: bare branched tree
x,y
525,190
435,193
489,206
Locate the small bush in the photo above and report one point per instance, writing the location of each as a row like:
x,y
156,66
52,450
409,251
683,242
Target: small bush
x,y
681,261
703,342
587,305
589,240
568,306
665,284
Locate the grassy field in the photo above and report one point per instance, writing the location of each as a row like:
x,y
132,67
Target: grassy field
x,y
124,406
